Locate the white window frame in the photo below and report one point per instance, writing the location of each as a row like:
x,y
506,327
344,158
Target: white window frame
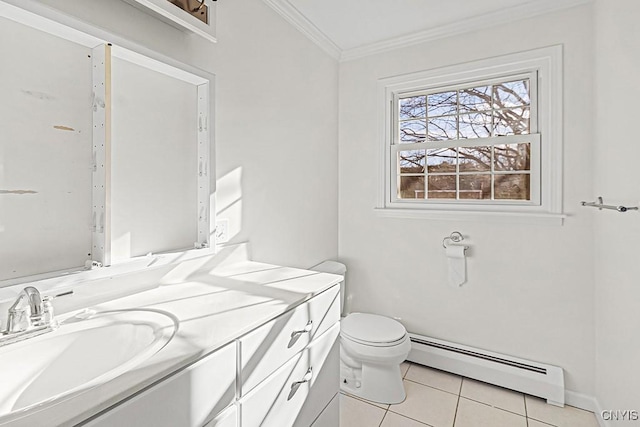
x,y
544,68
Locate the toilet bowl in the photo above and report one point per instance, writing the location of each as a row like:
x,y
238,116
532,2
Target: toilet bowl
x,y
372,347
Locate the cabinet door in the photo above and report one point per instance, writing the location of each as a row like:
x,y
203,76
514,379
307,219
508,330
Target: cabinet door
x,y
189,398
297,393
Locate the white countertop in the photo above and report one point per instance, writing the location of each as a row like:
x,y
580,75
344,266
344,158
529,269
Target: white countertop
x,y
215,304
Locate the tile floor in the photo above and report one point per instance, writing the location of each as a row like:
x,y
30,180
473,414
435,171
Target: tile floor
x,y
440,399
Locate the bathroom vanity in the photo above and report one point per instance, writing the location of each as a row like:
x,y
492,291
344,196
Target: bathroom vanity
x,y
255,345
184,339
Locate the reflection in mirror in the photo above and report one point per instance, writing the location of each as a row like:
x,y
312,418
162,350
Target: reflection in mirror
x,y
45,152
154,162
94,156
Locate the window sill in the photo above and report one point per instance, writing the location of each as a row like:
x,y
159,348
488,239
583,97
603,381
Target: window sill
x,y
503,217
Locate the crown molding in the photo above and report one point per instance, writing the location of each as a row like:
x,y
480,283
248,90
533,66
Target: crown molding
x,y
515,13
306,27
292,15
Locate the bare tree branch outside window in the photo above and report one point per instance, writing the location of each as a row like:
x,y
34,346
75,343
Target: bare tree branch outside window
x,y
486,171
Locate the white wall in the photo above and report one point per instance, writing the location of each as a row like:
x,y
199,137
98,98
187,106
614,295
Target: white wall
x,y
45,178
530,287
276,108
617,149
276,121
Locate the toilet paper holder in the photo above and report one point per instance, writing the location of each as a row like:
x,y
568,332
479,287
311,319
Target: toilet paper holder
x,y
455,237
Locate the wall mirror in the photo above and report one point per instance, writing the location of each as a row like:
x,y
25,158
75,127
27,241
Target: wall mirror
x,y
104,151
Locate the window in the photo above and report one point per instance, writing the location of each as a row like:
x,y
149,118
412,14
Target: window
x,y
469,143
472,137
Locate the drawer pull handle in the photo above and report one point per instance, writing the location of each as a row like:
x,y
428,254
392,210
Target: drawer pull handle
x,y
296,385
295,335
306,329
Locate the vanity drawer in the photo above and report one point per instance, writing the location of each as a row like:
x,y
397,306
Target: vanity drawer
x,y
265,349
299,391
190,398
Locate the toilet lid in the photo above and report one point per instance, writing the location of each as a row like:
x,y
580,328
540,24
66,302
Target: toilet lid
x,y
371,328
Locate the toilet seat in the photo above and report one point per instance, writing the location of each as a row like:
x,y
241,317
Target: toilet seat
x,y
372,330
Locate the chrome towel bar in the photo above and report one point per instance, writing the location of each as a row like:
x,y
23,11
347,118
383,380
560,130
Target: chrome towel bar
x,y
599,203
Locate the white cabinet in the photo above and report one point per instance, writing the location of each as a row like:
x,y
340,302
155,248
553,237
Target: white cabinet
x,y
228,418
267,348
296,393
284,373
289,367
189,398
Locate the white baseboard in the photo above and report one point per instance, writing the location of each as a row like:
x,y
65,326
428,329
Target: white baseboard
x,y
586,402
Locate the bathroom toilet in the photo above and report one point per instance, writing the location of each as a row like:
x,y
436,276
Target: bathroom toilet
x,y
372,347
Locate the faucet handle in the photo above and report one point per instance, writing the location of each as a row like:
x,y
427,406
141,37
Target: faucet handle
x,y
47,309
47,312
18,319
63,294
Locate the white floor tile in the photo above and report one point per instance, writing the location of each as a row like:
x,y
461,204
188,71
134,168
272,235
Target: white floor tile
x,y
427,405
568,416
356,413
434,378
404,367
494,396
474,414
379,405
536,423
394,420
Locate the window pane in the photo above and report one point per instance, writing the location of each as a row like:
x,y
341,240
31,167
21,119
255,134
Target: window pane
x,y
441,160
475,159
475,99
511,94
476,125
411,187
412,131
476,187
443,128
411,161
511,122
443,103
512,157
413,108
512,187
442,187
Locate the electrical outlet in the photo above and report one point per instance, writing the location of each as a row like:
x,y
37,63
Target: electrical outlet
x,y
222,231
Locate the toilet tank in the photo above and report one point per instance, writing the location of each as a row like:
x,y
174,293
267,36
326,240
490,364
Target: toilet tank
x,y
334,267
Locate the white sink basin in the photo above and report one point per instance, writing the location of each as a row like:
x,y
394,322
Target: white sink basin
x,y
80,354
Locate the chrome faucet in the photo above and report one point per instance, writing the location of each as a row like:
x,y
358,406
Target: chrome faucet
x,y
17,312
30,315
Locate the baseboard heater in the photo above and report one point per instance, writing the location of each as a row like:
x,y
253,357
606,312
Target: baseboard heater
x,y
536,379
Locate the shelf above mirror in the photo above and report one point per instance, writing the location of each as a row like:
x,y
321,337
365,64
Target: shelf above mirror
x,y
194,16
